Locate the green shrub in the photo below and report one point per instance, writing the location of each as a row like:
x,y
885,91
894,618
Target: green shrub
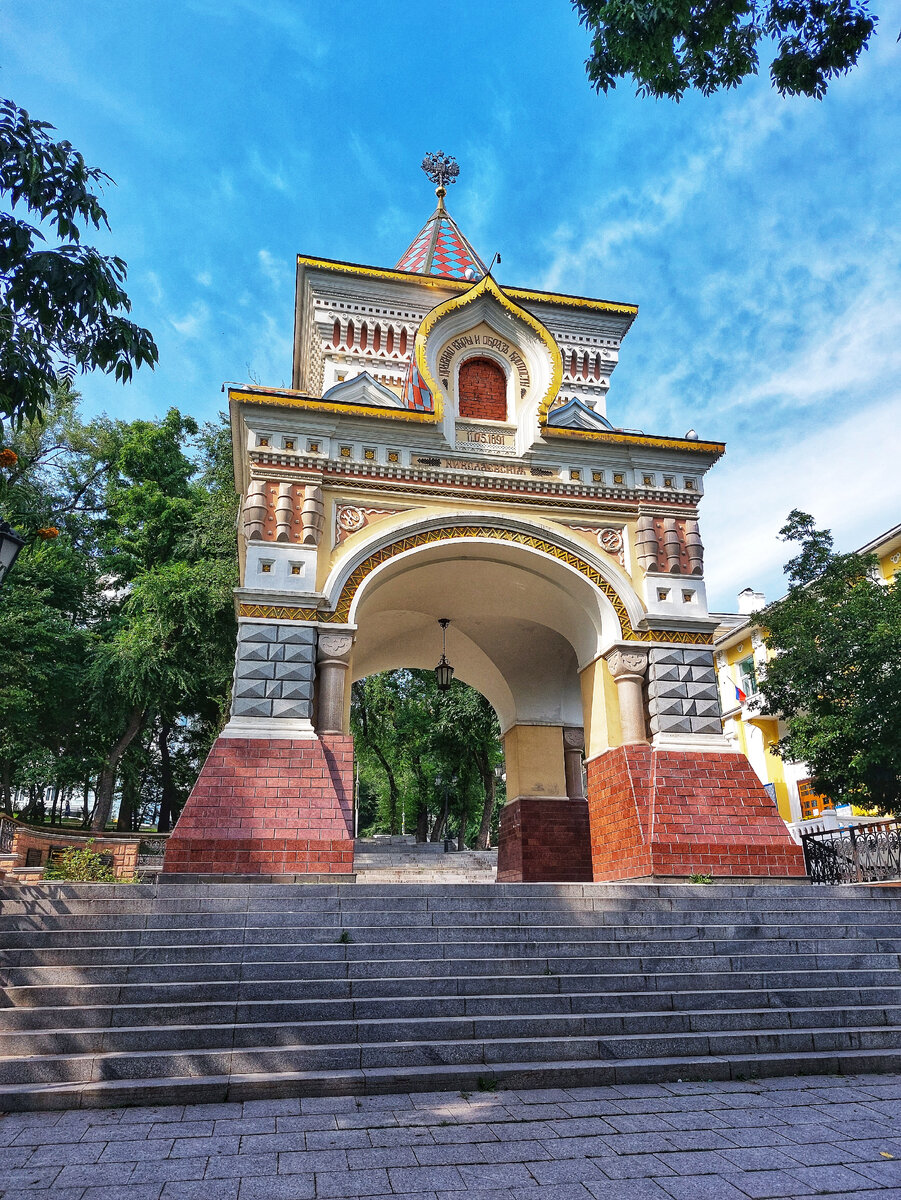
x,y
81,865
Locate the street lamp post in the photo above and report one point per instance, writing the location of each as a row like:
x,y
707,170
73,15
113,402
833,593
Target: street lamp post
x,y
10,545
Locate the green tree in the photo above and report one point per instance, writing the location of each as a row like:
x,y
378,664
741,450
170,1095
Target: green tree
x,y
671,46
835,677
62,308
412,741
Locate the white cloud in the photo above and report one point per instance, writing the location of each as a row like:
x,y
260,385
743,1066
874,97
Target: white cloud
x,y
192,324
846,475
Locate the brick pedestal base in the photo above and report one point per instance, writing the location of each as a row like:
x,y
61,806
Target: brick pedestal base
x,y
667,813
269,808
544,841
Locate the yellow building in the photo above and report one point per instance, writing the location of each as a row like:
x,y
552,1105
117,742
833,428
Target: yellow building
x,y
740,657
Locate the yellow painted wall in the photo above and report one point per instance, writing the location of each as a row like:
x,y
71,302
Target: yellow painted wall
x,y
533,757
600,707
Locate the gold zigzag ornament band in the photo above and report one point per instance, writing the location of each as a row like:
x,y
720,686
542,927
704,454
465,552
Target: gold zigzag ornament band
x,y
341,612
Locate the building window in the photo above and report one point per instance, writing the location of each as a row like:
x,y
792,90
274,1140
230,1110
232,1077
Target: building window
x,y
668,481
482,390
393,456
576,476
689,485
296,569
266,568
346,451
313,447
597,476
369,454
289,443
747,676
648,480
262,441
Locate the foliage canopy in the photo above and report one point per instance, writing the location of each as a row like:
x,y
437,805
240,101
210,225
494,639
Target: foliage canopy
x,y
835,677
62,308
670,46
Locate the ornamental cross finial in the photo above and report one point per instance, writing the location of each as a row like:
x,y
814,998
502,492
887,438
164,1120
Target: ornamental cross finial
x,y
441,168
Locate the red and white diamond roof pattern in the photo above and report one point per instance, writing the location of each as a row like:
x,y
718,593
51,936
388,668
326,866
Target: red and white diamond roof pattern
x,y
441,249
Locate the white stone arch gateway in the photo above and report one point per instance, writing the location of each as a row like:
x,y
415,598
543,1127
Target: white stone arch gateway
x,y
565,552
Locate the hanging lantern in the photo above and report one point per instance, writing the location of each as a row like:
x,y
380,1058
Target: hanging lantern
x,y
444,672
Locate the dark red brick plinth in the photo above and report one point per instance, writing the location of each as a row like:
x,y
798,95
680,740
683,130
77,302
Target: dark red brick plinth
x,y
544,841
665,813
269,808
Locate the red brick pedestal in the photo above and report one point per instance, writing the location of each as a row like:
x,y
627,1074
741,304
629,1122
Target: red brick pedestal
x,y
544,841
269,808
662,813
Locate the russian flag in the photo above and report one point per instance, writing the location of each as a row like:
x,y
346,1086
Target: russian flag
x,y
739,694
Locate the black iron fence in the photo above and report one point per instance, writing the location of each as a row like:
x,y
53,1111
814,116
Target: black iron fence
x,y
857,854
150,853
7,833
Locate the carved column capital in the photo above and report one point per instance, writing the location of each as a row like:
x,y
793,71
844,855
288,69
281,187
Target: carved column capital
x,y
334,647
624,663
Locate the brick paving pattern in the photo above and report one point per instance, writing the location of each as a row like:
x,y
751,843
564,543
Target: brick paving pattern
x,y
777,1138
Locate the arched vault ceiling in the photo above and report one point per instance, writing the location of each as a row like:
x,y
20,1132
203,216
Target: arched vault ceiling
x,y
516,634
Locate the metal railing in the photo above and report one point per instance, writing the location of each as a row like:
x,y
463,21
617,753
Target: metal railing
x,y
150,853
856,854
7,834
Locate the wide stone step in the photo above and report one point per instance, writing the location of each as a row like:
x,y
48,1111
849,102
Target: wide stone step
x,y
371,982
156,1064
502,1001
237,964
231,1033
524,1074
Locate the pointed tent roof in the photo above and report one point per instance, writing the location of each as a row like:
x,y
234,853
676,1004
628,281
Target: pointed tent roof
x,y
441,249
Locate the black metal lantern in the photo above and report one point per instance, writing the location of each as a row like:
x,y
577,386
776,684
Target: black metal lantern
x,y
10,545
444,672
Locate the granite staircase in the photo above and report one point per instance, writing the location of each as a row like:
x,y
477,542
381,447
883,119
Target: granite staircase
x,y
172,993
401,859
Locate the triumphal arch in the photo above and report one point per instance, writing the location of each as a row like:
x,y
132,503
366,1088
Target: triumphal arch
x,y
445,451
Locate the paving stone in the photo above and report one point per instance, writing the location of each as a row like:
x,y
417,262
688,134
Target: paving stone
x,y
570,1170
508,1152
627,1189
702,1162
764,1185
708,1187
42,1194
337,1139
634,1166
110,1174
143,1191
423,1178
136,1151
284,1187
368,1182
205,1189
189,1147
62,1155
288,1107
167,1169
237,1166
40,1177
305,1161
820,1180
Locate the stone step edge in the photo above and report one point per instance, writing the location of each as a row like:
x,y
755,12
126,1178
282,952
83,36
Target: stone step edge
x,y
474,1077
424,1022
730,974
499,997
484,1041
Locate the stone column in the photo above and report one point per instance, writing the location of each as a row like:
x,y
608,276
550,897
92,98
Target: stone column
x,y
573,745
628,667
332,663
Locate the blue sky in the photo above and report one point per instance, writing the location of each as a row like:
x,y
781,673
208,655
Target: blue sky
x,y
761,237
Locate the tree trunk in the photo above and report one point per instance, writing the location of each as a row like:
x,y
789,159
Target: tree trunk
x,y
106,784
6,786
53,805
483,841
393,791
438,827
167,799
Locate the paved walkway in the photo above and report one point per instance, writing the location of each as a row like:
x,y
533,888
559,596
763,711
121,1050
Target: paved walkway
x,y
723,1141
